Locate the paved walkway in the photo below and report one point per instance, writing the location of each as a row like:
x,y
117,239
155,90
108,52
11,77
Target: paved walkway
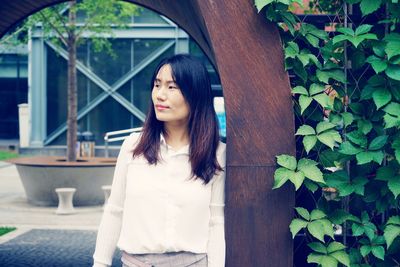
x,y
43,238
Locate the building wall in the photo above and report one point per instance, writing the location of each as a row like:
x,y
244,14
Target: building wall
x,y
137,51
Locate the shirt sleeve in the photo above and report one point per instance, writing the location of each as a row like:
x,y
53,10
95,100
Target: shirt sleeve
x,y
110,225
216,236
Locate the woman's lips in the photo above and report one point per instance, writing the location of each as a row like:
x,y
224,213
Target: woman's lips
x,y
161,107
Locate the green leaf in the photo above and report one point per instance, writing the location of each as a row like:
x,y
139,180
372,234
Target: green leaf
x,y
369,6
381,97
370,230
299,70
379,252
365,250
287,161
310,170
316,88
315,258
394,220
340,38
260,4
356,40
317,214
378,142
291,50
391,121
335,246
304,59
393,45
357,229
329,138
297,179
318,247
396,148
281,176
303,213
378,64
391,232
342,257
394,185
346,31
299,90
393,71
310,185
384,173
358,185
324,100
316,229
328,227
323,126
328,261
364,157
358,138
364,28
379,49
324,76
367,91
348,149
365,126
315,60
305,130
347,118
340,216
393,108
309,142
378,156
341,181
304,102
296,225
314,41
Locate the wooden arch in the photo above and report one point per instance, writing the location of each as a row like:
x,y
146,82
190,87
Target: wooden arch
x,y
247,53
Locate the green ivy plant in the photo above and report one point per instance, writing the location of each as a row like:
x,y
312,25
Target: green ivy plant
x,y
346,98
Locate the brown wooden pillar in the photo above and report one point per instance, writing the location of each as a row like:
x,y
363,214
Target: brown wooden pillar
x,y
260,125
247,52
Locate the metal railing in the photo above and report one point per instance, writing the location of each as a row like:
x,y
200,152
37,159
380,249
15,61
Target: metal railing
x,y
108,137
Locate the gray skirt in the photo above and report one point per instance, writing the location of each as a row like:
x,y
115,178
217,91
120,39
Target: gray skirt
x,y
170,259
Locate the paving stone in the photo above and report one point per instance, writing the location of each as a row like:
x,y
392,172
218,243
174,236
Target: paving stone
x,y
51,248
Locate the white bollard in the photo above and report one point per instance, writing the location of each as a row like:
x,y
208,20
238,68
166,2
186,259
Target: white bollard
x,y
107,192
65,196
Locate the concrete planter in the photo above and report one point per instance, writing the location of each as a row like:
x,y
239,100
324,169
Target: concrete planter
x,y
40,177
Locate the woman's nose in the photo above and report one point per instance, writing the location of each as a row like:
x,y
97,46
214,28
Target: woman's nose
x,y
161,94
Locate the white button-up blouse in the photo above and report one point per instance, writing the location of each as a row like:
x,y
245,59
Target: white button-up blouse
x,y
158,208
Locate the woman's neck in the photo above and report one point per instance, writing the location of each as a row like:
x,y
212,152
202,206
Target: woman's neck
x,y
176,136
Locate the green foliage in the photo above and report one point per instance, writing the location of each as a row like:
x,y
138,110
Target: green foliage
x,y
5,230
328,256
101,16
316,224
296,172
348,130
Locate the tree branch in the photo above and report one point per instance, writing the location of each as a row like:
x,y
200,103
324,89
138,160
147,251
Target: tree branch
x,y
61,18
54,28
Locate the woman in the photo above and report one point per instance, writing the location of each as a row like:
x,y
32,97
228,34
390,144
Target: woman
x,y
167,197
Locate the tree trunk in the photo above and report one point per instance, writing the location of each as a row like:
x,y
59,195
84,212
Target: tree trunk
x,y
72,124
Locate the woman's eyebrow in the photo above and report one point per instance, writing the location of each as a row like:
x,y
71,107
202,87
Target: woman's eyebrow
x,y
158,80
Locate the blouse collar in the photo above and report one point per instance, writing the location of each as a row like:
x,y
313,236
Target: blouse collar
x,y
183,150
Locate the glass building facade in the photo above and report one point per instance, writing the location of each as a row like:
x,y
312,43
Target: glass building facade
x,y
113,91
13,90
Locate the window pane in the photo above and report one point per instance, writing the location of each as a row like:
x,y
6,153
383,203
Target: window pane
x,y
110,68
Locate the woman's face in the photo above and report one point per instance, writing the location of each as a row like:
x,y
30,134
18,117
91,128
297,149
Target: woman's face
x,y
169,104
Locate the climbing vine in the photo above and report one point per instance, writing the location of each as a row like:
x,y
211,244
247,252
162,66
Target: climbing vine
x,y
345,82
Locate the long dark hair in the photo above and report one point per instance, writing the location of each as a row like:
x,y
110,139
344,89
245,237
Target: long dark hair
x,y
192,78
